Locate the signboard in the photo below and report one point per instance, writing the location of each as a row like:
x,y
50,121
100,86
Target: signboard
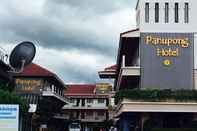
x,y
167,60
28,85
102,88
9,117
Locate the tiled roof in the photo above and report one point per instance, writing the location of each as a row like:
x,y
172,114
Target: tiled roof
x,y
113,67
35,70
83,89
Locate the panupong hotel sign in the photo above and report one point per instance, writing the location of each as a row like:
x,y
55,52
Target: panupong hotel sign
x,y
164,46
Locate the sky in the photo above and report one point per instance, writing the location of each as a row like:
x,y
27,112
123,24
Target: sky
x,y
74,38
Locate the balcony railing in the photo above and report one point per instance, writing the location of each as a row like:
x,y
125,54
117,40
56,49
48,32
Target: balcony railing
x,y
57,94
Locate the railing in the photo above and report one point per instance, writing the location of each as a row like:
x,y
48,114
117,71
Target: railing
x,y
55,93
123,64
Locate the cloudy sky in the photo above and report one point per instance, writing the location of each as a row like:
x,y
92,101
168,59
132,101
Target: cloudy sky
x,y
74,38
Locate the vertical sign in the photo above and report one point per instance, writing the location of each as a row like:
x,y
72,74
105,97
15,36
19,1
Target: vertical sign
x,y
167,60
9,117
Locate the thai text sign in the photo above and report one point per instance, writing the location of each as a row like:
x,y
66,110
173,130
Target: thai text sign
x,y
9,117
28,85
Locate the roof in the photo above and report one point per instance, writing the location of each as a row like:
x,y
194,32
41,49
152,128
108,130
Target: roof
x,y
108,72
35,70
82,90
113,67
129,31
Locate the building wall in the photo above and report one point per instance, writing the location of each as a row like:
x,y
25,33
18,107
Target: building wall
x,y
171,26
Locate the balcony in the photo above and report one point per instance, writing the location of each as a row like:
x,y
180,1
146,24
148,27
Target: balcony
x,y
87,107
93,118
58,94
129,70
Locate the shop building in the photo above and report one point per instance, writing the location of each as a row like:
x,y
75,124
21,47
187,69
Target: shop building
x,y
157,61
44,92
88,105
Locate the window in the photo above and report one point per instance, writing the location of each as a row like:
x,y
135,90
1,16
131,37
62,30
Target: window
x,y
186,12
156,12
89,113
147,12
176,12
101,100
89,100
166,12
100,113
72,100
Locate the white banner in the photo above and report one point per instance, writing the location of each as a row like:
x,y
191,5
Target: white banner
x,y
9,117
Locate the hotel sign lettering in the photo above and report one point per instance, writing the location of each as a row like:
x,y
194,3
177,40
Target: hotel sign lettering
x,y
28,85
167,43
167,59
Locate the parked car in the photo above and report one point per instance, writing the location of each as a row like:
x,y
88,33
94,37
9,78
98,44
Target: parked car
x,y
74,127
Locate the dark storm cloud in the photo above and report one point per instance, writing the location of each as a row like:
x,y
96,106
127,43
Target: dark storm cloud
x,y
88,26
58,25
95,7
77,74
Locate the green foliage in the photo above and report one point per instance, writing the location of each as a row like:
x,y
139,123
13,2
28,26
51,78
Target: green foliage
x,y
7,86
174,129
157,95
7,97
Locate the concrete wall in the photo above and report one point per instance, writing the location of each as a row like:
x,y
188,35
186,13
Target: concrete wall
x,y
171,26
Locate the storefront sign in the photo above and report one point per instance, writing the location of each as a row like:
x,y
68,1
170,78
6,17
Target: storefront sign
x,y
103,88
9,117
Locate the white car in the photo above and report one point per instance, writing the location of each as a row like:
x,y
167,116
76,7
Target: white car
x,y
74,127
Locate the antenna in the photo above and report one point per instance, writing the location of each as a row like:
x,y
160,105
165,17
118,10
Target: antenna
x,y
21,56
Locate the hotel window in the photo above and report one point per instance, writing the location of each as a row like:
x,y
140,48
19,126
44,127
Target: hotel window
x,y
89,100
186,12
147,12
89,113
156,12
72,100
100,113
176,12
166,12
101,100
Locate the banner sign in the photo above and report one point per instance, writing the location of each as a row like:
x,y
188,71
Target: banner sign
x,y
9,117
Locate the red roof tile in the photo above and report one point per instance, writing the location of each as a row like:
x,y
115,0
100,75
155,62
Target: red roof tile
x,y
35,70
113,67
82,89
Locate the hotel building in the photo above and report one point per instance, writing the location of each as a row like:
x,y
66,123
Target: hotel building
x,y
155,69
88,105
44,92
